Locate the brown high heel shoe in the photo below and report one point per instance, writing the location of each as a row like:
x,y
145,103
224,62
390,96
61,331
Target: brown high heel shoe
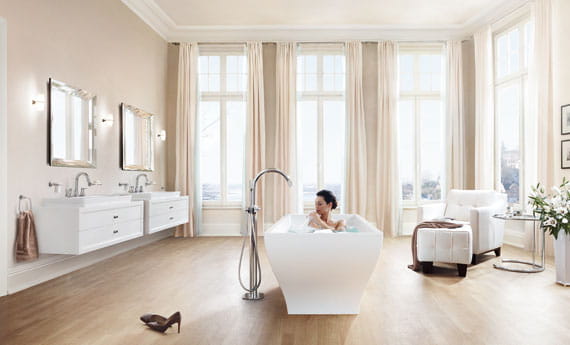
x,y
162,326
146,318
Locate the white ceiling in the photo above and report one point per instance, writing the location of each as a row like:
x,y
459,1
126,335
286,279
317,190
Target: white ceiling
x,y
282,19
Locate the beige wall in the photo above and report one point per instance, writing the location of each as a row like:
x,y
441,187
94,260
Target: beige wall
x,y
561,74
100,46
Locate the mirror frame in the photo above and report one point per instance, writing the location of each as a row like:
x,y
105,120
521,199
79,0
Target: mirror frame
x,y
71,163
144,114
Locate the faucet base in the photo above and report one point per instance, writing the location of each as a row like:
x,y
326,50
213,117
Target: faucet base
x,y
253,296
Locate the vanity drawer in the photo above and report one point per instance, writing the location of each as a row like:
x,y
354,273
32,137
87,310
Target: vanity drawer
x,y
165,221
104,236
108,217
164,207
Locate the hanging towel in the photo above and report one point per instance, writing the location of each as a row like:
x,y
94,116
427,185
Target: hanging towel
x,y
26,240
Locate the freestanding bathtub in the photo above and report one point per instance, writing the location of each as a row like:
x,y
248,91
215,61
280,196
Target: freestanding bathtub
x,y
323,273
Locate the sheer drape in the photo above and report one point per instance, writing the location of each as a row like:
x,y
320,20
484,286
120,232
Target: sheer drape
x,y
388,182
484,117
255,125
540,159
455,117
186,137
284,197
355,187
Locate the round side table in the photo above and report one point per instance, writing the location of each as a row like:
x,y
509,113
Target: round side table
x,y
534,267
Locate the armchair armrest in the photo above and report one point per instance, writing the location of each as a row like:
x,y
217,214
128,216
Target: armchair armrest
x,y
487,231
430,211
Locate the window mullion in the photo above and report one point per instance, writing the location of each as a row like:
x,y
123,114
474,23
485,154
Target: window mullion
x,y
417,146
223,131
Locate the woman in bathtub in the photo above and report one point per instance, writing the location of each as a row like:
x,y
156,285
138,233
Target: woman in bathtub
x,y
321,217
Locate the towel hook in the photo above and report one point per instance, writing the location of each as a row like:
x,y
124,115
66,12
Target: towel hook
x,y
20,201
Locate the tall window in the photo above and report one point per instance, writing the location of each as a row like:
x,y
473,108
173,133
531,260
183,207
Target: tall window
x,y
222,85
511,73
321,118
421,123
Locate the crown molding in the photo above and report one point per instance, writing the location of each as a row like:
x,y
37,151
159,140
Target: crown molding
x,y
159,21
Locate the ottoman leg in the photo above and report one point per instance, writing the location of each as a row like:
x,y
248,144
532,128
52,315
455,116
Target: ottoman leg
x,y
498,251
462,270
427,267
474,259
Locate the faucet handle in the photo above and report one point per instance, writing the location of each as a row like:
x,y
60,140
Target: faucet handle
x,y
150,183
82,192
69,192
132,189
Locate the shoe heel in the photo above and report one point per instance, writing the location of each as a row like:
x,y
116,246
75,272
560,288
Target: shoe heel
x,y
178,326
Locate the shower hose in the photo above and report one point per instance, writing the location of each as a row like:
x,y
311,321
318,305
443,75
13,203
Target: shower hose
x,y
251,231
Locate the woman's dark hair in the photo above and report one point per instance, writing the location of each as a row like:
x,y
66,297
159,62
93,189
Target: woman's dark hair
x,y
329,197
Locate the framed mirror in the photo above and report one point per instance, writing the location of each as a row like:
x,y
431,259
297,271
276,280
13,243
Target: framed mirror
x,y
71,127
137,144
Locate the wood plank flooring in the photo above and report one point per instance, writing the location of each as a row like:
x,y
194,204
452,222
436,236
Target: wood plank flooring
x,y
101,304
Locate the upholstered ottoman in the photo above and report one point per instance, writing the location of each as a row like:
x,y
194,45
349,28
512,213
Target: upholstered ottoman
x,y
445,245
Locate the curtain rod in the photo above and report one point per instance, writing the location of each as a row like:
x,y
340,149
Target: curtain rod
x,y
366,41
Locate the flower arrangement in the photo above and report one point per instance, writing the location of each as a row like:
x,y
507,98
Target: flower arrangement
x,y
553,209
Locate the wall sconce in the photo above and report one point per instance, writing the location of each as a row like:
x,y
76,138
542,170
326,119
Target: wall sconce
x,y
39,103
107,120
162,135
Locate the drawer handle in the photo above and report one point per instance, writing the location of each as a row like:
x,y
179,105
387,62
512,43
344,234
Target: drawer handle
x,y
171,207
115,217
115,231
171,218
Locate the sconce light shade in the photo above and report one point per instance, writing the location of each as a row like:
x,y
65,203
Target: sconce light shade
x,y
162,135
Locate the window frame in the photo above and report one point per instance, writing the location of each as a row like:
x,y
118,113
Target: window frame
x,y
223,97
416,96
320,96
520,78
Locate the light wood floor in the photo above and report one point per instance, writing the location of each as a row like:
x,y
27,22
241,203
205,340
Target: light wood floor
x,y
101,304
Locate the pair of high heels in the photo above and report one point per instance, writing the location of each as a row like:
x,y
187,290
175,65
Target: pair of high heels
x,y
160,323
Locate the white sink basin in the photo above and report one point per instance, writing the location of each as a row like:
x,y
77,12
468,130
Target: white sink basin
x,y
155,195
87,200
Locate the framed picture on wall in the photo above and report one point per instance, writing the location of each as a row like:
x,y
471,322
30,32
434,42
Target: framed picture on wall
x,y
565,154
565,114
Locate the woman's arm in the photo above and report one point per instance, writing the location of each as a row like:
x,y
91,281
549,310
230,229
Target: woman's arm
x,y
321,224
340,225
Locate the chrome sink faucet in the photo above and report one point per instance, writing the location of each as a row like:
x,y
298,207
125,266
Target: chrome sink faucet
x,y
139,189
89,184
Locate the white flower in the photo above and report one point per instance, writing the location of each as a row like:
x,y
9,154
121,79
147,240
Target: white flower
x,y
564,221
550,222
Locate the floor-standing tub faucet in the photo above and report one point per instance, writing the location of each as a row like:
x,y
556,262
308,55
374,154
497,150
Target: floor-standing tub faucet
x,y
254,265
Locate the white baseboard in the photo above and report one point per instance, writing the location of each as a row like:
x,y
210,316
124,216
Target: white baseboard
x,y
25,276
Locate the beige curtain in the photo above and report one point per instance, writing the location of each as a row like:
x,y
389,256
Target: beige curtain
x,y
255,126
484,108
355,186
455,117
186,127
540,166
388,181
284,198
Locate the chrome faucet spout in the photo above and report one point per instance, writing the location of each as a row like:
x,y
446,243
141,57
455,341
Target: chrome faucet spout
x,y
253,184
147,182
89,183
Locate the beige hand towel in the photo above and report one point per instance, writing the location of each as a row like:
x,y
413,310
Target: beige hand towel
x,y
26,240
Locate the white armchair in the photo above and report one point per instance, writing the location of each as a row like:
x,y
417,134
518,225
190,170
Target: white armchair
x,y
476,207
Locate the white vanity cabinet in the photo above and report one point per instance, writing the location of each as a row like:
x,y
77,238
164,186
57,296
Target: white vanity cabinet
x,y
78,230
165,213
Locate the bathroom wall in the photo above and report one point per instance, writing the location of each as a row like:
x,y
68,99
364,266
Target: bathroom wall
x,y
102,47
561,75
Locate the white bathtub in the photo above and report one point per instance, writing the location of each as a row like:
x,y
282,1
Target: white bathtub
x,y
323,273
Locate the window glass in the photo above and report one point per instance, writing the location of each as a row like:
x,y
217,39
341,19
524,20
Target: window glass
x,y
210,150
508,113
432,127
407,154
